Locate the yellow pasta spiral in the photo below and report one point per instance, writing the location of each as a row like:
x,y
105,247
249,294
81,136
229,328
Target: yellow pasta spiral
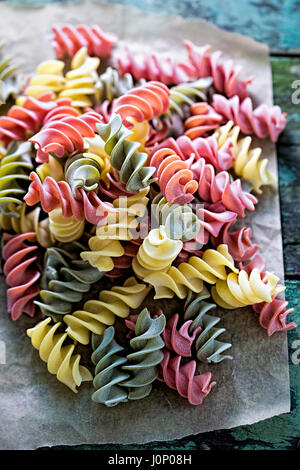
x,y
190,275
246,161
29,222
140,131
98,314
156,253
239,290
102,252
65,229
119,224
81,79
59,358
95,150
48,77
51,168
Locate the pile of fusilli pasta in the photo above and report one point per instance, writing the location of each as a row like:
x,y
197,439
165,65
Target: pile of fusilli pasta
x,y
122,188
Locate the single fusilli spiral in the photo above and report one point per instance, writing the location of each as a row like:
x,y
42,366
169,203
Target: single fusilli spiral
x,y
68,39
124,155
239,242
64,135
183,378
174,175
264,121
111,85
147,354
66,280
52,194
61,360
208,347
179,340
241,289
22,274
108,357
214,187
96,315
153,67
180,221
224,74
190,275
143,103
48,78
246,161
65,229
15,167
84,171
272,315
203,120
101,253
80,84
156,254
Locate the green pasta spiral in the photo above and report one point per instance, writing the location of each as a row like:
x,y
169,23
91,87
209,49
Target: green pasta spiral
x,y
124,155
187,94
108,372
15,167
180,221
110,85
66,280
208,347
147,354
82,172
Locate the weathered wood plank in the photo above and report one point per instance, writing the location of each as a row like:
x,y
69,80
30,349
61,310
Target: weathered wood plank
x,y
285,72
274,22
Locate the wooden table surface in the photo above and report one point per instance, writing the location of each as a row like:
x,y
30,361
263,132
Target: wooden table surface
x,y
276,23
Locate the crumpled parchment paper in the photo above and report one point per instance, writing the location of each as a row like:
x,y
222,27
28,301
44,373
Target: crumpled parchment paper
x,y
35,409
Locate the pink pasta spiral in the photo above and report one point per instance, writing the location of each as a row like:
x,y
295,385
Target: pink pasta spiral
x,y
143,103
263,121
116,188
203,119
21,274
152,67
183,379
124,262
22,121
272,315
52,194
215,188
179,340
225,75
68,39
239,243
65,135
175,178
207,148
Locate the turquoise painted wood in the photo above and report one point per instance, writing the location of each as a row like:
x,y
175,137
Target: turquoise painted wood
x,y
276,23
